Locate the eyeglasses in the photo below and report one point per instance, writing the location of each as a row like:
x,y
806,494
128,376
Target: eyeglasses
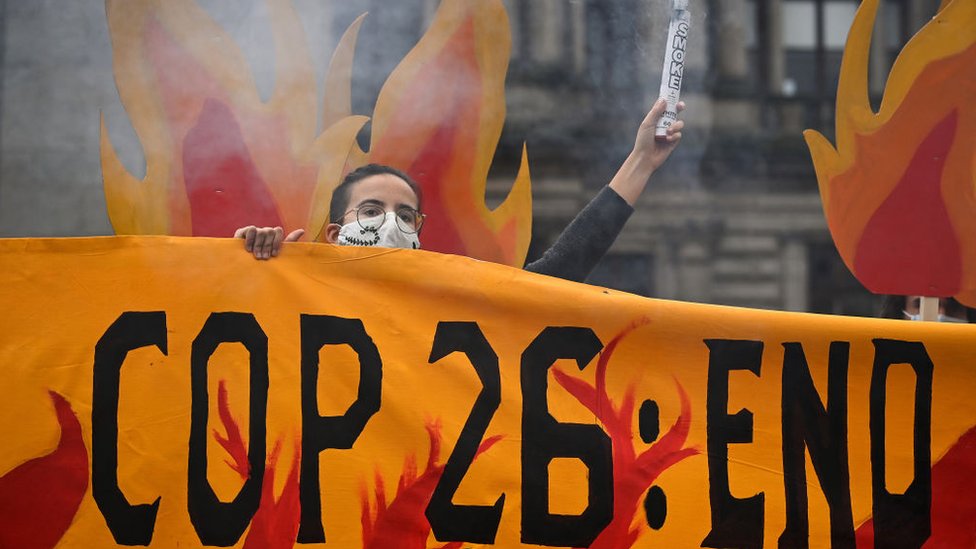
x,y
408,220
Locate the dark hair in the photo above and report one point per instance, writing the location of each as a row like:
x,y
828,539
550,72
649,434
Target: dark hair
x,y
340,196
894,307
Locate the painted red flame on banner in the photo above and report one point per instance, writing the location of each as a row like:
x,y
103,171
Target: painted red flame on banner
x,y
953,505
402,523
275,524
633,473
40,497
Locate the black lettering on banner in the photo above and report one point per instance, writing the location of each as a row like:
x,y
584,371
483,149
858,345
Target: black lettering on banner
x,y
544,438
902,520
807,424
735,522
340,432
129,524
216,522
470,523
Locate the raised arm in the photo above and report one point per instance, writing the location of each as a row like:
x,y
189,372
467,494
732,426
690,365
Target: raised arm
x,y
648,154
588,237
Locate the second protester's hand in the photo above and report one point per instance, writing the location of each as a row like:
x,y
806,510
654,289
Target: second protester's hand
x,y
265,242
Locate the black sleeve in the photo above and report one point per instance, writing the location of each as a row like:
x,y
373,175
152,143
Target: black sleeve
x,y
584,242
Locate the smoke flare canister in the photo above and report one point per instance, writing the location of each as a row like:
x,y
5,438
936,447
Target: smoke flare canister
x,y
674,64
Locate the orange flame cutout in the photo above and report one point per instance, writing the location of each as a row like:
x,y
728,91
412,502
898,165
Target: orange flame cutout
x,y
275,524
899,191
439,118
218,157
40,497
633,473
402,524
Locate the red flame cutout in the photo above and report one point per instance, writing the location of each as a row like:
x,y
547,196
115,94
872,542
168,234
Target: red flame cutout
x,y
633,473
40,497
402,524
443,85
215,206
936,261
275,524
439,118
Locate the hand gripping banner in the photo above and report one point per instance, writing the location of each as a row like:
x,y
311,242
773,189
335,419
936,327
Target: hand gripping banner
x,y
172,392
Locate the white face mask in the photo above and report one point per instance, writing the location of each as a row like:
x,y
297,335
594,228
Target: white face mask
x,y
379,231
940,318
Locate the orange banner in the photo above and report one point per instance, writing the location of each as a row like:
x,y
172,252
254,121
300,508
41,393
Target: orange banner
x,y
174,392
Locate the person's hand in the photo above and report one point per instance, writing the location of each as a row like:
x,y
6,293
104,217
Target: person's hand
x,y
648,154
651,150
265,242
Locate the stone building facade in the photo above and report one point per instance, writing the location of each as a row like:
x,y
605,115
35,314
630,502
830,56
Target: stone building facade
x,y
733,218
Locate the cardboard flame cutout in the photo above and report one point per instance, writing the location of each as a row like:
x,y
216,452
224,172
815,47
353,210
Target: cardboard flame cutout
x,y
218,157
899,190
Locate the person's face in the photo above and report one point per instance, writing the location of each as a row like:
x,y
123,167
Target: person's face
x,y
947,307
384,190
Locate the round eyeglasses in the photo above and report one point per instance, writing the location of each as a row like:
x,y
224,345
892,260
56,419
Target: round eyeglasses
x,y
408,220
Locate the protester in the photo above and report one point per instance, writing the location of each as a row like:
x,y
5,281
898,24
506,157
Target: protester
x,y
907,308
377,205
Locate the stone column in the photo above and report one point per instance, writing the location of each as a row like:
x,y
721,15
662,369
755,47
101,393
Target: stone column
x,y
694,272
514,9
577,29
879,64
775,60
919,13
731,53
430,8
795,282
547,30
665,269
695,254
